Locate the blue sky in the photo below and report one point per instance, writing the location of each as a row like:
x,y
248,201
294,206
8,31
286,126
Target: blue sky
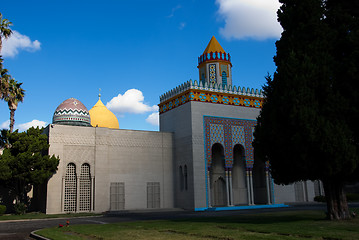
x,y
133,50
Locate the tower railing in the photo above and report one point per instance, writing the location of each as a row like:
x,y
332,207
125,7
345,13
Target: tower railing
x,y
214,56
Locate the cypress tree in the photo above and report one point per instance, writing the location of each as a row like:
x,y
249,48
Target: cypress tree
x,y
307,126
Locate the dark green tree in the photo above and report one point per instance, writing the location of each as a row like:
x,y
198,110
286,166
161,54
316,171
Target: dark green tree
x,y
307,127
26,161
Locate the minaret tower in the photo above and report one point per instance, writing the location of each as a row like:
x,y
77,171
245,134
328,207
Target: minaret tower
x,y
215,65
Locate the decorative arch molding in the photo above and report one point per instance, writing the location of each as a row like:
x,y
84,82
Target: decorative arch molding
x,y
229,132
70,189
85,188
78,188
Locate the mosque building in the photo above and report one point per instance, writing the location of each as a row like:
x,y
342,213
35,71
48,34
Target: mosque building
x,y
202,157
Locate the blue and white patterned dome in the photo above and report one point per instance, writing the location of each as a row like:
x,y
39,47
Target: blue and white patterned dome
x,y
72,112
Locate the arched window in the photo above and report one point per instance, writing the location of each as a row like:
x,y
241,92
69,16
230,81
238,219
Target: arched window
x,y
70,199
224,78
85,188
185,177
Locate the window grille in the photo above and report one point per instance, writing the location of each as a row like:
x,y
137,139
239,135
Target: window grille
x,y
70,199
153,195
85,188
224,78
117,196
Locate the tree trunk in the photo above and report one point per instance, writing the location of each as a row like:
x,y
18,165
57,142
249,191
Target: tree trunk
x,y
337,205
12,119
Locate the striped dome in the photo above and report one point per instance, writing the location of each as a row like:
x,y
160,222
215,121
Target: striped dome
x,y
72,112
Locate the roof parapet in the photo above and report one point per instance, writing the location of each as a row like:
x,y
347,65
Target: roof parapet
x,y
212,88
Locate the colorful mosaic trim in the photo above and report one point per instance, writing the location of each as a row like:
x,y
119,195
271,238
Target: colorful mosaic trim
x,y
233,131
71,115
212,73
214,56
217,88
72,111
224,68
217,133
210,97
238,135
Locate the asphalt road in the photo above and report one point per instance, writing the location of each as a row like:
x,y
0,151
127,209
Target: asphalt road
x,y
19,230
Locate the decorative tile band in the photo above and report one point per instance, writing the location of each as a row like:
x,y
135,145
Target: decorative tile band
x,y
210,97
229,132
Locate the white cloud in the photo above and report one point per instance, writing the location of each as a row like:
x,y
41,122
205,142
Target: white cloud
x,y
17,42
5,125
249,19
130,102
24,126
34,123
153,119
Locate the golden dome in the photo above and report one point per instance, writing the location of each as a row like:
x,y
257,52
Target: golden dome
x,y
102,117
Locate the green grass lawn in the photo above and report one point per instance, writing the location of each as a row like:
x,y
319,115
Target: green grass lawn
x,y
281,225
43,216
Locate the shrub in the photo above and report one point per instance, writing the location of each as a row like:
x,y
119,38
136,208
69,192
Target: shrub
x,y
2,209
20,208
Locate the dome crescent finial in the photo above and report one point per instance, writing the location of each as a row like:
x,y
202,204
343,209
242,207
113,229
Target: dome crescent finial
x,y
99,93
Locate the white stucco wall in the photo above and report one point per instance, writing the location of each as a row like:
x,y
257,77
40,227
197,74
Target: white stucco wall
x,y
114,155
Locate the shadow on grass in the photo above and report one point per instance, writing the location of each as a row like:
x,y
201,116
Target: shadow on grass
x,y
36,215
263,218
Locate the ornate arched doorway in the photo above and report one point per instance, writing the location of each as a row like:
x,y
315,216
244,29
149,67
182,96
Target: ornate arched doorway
x,y
260,183
217,177
239,188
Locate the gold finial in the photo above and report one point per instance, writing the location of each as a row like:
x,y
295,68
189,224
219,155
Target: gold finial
x,y
99,93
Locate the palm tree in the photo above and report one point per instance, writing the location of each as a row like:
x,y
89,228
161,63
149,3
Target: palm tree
x,y
4,81
5,31
15,95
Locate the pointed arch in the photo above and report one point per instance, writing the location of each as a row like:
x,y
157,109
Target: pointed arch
x,y
217,176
